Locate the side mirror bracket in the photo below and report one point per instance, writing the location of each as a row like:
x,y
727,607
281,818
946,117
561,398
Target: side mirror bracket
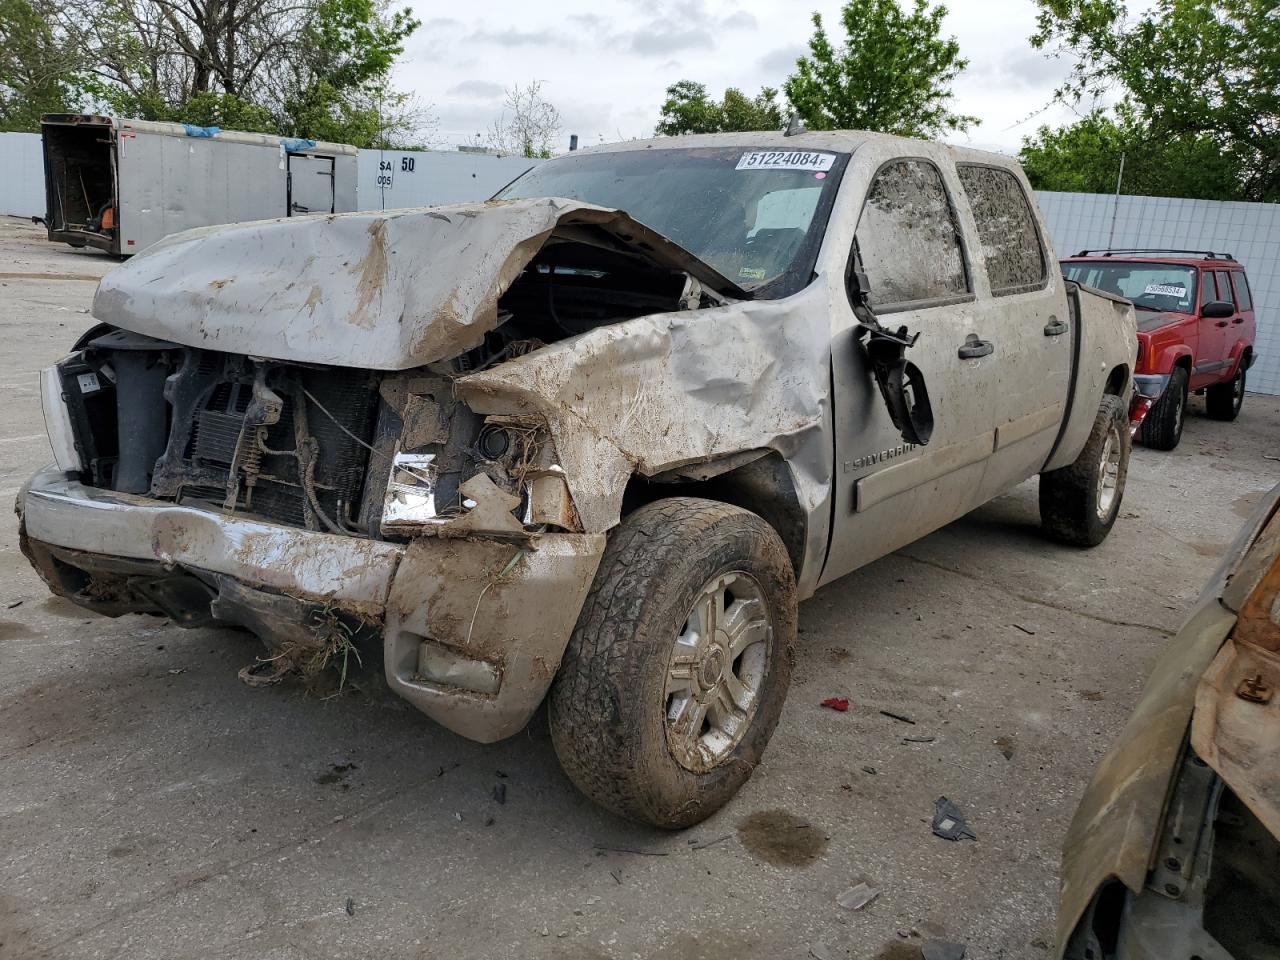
x,y
900,381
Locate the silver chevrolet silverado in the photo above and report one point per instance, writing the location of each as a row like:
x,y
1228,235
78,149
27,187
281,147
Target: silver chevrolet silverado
x,y
544,447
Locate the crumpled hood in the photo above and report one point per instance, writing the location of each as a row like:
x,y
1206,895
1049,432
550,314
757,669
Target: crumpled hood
x,y
389,290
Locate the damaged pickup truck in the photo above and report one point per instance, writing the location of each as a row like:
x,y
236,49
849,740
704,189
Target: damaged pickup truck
x,y
542,447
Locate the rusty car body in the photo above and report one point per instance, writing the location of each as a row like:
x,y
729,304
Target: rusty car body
x,y
430,425
1175,848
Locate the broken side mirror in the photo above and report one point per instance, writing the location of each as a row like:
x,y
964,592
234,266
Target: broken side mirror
x,y
900,381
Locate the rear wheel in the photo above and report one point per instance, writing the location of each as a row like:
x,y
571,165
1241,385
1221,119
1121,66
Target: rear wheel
x,y
1079,503
677,670
1162,427
1222,401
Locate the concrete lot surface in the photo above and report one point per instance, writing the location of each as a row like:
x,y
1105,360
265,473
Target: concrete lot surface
x,y
154,806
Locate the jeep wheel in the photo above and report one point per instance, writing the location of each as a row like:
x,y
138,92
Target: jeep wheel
x,y
1222,401
1079,503
677,670
1162,427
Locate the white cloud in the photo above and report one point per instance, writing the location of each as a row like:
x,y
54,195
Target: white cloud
x,y
607,63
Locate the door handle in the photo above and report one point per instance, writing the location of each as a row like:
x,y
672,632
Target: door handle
x,y
1238,320
1054,327
974,348
1221,323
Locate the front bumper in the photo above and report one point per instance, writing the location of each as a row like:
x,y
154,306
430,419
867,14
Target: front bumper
x,y
1150,385
473,631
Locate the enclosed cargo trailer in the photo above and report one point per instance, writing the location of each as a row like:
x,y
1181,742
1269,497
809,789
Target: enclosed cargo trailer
x,y
120,185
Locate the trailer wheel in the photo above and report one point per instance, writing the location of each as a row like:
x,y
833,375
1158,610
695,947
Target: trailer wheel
x,y
1079,503
1162,427
678,667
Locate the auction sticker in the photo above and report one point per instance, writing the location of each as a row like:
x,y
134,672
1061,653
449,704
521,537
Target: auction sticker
x,y
88,382
786,160
1165,290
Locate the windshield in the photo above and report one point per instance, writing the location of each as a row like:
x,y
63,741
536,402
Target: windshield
x,y
1151,286
756,216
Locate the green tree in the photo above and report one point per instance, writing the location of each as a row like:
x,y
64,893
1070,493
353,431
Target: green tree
x,y
688,109
1195,71
304,68
1085,158
340,89
529,124
893,73
37,68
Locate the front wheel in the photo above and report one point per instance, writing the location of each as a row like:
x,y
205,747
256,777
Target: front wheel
x,y
1222,401
1079,503
1162,427
678,667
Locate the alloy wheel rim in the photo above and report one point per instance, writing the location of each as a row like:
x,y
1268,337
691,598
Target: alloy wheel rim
x,y
1237,391
717,669
1109,474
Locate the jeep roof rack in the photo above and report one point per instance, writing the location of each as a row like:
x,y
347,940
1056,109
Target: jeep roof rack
x,y
1112,251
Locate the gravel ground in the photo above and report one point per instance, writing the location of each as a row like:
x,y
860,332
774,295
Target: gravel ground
x,y
152,805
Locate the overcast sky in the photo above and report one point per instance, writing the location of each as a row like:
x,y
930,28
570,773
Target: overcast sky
x,y
606,63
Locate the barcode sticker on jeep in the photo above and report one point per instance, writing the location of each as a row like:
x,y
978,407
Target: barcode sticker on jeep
x,y
786,160
88,382
1165,290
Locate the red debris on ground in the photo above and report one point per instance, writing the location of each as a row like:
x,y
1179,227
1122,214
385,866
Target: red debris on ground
x,y
840,704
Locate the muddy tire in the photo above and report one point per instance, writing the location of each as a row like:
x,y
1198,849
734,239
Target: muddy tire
x,y
1162,427
1079,503
678,667
1222,401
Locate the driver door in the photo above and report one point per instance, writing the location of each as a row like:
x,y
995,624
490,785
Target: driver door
x,y
911,249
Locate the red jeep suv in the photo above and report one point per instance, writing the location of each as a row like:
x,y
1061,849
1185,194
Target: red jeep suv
x,y
1195,330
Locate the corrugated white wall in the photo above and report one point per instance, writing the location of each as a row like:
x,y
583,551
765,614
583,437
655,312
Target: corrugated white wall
x,y
390,178
1249,231
21,175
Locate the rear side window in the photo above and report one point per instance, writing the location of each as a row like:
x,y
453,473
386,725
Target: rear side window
x,y
1244,300
1011,247
908,238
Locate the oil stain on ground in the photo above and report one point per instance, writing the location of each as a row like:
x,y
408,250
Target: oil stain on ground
x,y
782,839
12,630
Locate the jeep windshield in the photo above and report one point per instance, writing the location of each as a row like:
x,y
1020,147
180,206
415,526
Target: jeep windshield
x,y
1151,286
756,216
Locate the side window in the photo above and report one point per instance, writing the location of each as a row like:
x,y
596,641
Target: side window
x,y
1011,247
1208,292
1224,287
1241,283
908,238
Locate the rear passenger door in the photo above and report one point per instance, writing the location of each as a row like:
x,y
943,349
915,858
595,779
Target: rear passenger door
x,y
1244,325
1025,308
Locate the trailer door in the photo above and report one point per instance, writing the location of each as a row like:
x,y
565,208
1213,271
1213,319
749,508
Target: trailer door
x,y
310,184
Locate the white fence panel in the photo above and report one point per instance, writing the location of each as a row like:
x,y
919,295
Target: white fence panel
x,y
391,178
21,175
